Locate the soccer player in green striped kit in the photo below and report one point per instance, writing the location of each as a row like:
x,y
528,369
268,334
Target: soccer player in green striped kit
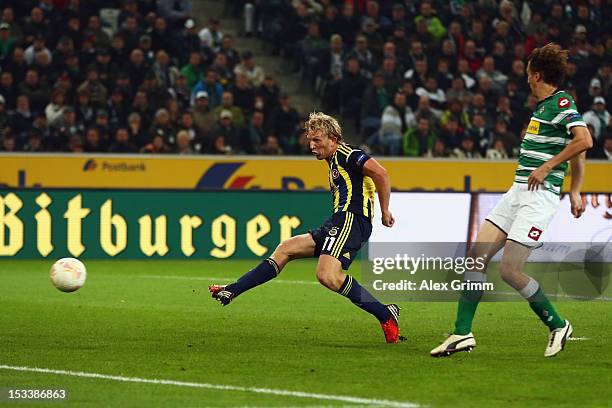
x,y
555,135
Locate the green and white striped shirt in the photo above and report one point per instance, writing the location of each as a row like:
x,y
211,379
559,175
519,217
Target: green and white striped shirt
x,y
547,134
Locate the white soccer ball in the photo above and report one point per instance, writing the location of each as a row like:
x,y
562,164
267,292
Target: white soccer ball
x,y
68,274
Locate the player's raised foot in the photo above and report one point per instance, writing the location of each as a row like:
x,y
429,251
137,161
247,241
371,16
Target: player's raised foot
x,y
557,339
391,326
219,293
453,344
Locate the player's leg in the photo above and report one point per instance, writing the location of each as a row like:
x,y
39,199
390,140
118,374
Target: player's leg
x,y
489,241
339,247
534,215
300,246
330,275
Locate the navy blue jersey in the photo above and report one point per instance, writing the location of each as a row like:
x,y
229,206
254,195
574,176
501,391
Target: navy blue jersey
x,y
351,189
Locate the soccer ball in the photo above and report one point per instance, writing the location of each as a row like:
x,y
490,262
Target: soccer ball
x,y
68,274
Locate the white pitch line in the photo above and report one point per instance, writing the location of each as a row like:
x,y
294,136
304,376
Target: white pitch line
x,y
210,278
578,338
270,391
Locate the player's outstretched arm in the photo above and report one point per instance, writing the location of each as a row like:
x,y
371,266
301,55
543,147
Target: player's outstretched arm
x,y
581,142
380,177
577,164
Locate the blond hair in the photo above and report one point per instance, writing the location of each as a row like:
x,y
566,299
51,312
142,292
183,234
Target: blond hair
x,y
324,123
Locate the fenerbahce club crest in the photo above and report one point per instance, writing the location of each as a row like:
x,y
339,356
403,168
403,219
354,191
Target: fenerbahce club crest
x,y
335,173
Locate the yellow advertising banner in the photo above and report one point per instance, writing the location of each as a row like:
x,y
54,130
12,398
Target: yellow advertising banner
x,y
242,172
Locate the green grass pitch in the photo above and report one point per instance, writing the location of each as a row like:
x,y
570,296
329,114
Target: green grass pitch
x,y
156,320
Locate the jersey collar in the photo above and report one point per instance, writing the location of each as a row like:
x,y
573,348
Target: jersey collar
x,y
549,96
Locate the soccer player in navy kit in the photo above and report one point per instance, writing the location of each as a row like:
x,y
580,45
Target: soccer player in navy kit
x,y
353,178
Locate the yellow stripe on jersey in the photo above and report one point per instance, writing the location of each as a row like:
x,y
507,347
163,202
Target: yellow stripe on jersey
x,y
348,183
368,189
344,149
343,236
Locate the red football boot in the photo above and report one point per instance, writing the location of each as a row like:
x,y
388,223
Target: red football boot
x,y
219,293
391,327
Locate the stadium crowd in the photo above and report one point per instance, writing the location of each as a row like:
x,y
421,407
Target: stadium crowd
x,y
418,78
441,78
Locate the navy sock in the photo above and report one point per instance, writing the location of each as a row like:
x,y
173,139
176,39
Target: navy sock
x,y
266,270
362,298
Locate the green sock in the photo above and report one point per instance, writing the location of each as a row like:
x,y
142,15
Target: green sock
x,y
545,310
468,302
540,304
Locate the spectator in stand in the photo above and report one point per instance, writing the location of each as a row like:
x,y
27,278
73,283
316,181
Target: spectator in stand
x,y
189,40
424,110
439,150
497,151
244,94
34,143
268,95
55,109
8,90
434,25
419,140
466,150
510,140
21,118
452,133
203,117
436,96
271,147
93,141
183,143
227,48
7,40
93,86
162,126
36,91
481,134
364,56
175,11
375,99
94,30
285,119
122,142
162,38
418,74
228,132
352,86
227,104
156,146
311,51
396,119
9,144
604,152
253,73
498,80
330,72
599,118
211,36
211,86
225,76
348,23
254,133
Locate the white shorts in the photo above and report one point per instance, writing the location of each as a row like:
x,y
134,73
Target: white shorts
x,y
524,215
